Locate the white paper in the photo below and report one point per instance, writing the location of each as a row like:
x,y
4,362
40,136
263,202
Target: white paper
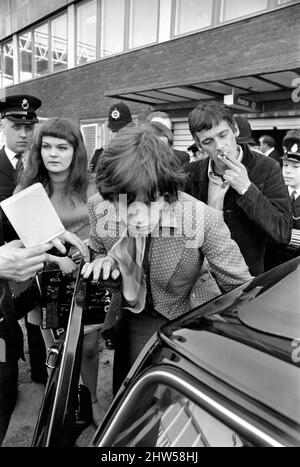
x,y
33,216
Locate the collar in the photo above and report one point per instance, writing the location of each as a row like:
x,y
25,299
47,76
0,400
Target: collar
x,y
10,154
268,152
293,189
217,179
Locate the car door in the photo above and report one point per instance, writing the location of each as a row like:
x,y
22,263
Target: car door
x,y
66,407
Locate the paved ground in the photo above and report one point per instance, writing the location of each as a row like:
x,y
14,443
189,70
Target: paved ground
x,y
24,418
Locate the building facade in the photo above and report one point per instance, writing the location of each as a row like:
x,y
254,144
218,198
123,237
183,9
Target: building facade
x,y
79,57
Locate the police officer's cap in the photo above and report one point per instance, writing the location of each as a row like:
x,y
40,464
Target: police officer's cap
x,y
291,147
119,115
20,108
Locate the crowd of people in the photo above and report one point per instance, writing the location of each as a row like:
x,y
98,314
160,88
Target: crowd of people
x,y
176,233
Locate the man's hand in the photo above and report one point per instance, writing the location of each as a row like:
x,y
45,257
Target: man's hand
x,y
106,264
236,174
20,264
76,257
65,264
69,237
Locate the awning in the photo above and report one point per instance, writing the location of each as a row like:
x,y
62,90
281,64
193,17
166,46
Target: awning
x,y
265,87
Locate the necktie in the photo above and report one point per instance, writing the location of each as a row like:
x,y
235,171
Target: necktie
x,y
19,167
293,196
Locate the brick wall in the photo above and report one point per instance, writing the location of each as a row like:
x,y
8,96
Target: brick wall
x,y
266,43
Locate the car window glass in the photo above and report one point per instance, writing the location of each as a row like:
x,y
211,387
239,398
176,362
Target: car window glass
x,y
164,417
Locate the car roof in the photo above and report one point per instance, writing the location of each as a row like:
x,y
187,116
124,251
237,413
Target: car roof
x,y
248,338
277,310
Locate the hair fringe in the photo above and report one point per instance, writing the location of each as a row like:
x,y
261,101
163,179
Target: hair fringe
x,y
35,171
137,161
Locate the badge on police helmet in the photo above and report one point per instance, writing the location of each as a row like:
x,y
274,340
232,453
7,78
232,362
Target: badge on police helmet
x,y
115,114
25,104
294,148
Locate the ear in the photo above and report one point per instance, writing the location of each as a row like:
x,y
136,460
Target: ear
x,y
236,130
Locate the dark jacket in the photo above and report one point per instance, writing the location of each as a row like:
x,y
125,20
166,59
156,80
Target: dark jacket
x,y
8,181
10,330
262,213
7,176
276,156
95,159
182,156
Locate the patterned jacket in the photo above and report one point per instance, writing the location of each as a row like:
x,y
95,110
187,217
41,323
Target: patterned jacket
x,y
176,257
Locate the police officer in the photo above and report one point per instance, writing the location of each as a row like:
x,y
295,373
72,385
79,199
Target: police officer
x,y
17,123
18,118
291,175
119,116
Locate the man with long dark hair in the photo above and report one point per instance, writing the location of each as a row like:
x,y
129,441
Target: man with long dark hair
x,y
158,238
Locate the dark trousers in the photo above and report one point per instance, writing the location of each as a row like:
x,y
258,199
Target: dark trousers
x,y
8,394
37,352
134,331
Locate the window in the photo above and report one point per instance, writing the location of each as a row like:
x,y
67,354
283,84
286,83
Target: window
x,y
41,50
59,43
192,15
25,55
143,22
89,133
165,11
104,28
0,72
86,32
235,8
8,62
164,417
112,27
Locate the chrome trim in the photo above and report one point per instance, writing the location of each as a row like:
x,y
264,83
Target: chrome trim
x,y
199,394
51,351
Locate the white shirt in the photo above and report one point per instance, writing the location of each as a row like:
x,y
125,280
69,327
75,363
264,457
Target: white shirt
x,y
293,189
11,156
269,151
217,188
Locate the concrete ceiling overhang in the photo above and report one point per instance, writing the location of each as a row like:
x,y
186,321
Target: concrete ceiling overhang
x,y
261,88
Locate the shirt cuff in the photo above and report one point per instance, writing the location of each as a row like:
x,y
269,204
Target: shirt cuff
x,y
295,239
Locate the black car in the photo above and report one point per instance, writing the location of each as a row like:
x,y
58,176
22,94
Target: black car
x,y
225,374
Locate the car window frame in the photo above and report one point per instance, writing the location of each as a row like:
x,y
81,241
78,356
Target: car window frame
x,y
202,395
